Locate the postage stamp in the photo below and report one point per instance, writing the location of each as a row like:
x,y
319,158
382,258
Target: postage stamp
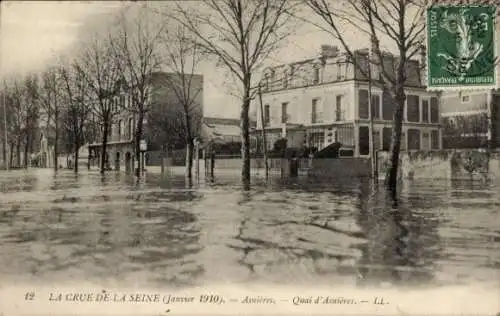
x,y
461,47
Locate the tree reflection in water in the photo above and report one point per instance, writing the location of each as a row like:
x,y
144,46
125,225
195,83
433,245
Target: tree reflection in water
x,y
402,242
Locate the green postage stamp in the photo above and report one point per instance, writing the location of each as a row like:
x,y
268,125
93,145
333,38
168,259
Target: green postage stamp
x,y
461,47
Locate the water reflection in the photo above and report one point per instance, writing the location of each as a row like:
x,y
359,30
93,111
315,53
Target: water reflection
x,y
402,241
159,230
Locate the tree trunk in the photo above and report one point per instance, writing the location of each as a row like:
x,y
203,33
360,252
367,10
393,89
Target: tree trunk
x,y
26,151
77,149
56,139
4,152
492,123
189,145
104,145
18,152
11,154
189,159
397,124
138,137
245,135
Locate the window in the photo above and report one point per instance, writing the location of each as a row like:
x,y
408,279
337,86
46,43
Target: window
x,y
316,74
375,106
413,139
316,113
425,111
122,101
267,117
434,110
339,72
425,141
339,112
284,112
386,138
130,128
435,139
387,105
266,82
119,129
465,98
364,140
363,104
285,79
317,140
413,108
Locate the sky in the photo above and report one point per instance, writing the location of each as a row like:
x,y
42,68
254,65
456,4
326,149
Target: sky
x,y
32,33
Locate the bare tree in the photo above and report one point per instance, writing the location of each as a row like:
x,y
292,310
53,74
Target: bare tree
x,y
136,47
31,111
241,35
50,103
100,71
185,88
77,110
402,23
17,123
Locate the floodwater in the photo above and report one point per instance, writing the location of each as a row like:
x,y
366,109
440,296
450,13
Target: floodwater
x,y
117,230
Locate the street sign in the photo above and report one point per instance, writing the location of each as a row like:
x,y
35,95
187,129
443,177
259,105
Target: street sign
x,y
143,146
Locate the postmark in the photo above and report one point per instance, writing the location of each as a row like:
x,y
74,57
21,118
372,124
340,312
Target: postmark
x,y
461,47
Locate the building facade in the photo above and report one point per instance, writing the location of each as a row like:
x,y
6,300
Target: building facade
x,y
471,119
324,100
163,100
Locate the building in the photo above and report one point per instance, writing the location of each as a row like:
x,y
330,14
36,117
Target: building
x,y
323,100
160,127
471,119
223,130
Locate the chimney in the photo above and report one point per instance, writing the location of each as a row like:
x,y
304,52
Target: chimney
x,y
329,51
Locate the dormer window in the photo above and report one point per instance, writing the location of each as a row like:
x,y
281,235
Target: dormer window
x,y
316,75
286,78
317,64
266,81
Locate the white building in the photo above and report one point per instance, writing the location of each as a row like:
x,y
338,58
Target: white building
x,y
320,101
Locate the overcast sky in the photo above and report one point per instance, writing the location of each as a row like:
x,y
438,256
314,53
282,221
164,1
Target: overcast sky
x,y
32,33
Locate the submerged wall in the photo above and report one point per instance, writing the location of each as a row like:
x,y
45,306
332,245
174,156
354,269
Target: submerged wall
x,y
444,164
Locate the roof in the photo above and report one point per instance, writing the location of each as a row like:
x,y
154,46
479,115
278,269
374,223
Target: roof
x,y
221,121
224,121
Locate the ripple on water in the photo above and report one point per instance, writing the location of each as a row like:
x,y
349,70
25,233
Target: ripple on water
x,y
64,227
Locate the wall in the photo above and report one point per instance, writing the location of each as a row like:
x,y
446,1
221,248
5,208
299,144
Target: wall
x,y
451,102
300,103
444,164
340,168
319,168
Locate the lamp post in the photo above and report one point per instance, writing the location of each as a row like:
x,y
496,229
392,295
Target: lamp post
x,y
196,144
143,147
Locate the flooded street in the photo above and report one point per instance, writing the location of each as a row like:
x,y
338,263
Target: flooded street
x,y
59,229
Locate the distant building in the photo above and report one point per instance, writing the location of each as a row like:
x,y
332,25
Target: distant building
x,y
120,146
471,119
323,100
224,130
